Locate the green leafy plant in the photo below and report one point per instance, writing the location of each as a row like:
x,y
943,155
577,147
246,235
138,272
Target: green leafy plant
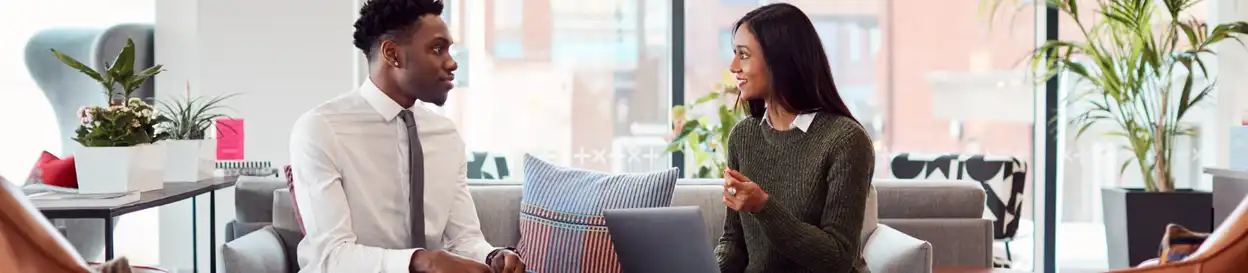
x,y
126,121
1141,62
131,123
704,137
120,72
192,117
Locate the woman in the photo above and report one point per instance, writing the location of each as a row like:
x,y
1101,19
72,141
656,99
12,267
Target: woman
x,y
800,166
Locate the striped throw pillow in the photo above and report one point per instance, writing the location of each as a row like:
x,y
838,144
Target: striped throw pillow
x,y
561,224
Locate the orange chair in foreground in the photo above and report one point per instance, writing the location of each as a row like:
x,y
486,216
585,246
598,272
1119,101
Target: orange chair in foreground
x,y
29,243
1226,250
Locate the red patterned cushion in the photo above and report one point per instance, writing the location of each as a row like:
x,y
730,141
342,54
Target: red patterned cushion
x,y
290,184
54,171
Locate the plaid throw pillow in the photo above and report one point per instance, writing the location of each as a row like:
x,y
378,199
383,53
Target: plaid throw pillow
x,y
561,224
1179,243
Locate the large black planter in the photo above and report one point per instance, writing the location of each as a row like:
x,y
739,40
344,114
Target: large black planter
x,y
1135,220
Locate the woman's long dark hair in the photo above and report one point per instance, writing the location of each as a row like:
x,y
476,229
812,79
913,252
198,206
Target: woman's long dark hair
x,y
801,80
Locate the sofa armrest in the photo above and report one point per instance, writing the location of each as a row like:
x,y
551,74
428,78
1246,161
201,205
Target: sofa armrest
x,y
261,251
891,251
235,229
955,242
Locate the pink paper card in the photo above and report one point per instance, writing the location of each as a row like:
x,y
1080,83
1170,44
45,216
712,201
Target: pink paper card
x,y
230,139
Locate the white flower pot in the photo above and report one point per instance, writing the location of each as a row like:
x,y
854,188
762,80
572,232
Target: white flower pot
x,y
120,169
190,160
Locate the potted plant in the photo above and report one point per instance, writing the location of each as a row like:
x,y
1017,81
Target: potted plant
x,y
1140,59
191,156
705,137
120,152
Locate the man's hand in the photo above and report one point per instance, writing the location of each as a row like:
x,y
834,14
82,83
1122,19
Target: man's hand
x,y
507,261
438,261
742,194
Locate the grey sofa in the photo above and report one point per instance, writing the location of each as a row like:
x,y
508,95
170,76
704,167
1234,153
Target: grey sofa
x,y
944,218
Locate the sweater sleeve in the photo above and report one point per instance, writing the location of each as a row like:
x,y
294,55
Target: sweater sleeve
x,y
833,245
731,251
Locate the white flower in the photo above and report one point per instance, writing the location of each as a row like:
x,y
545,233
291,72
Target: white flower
x,y
135,123
86,114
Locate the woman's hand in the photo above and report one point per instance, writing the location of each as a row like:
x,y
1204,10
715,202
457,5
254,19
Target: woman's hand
x,y
742,194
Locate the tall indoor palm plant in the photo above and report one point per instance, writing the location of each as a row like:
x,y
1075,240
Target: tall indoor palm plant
x,y
1141,61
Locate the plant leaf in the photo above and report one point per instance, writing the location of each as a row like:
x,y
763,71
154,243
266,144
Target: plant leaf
x,y
75,64
123,65
707,97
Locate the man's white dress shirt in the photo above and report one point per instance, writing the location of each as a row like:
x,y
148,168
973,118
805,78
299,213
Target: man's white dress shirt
x,y
350,165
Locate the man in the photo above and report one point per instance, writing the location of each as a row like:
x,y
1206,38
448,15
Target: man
x,y
380,181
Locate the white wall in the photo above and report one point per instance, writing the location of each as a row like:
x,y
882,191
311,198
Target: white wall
x,y
283,56
1233,57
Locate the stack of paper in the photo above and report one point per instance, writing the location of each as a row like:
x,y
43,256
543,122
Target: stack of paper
x,y
51,199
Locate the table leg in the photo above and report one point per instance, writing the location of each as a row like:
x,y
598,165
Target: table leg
x,y
108,239
212,231
194,237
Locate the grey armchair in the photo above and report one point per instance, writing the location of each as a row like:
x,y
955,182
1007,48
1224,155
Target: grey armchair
x,y
67,90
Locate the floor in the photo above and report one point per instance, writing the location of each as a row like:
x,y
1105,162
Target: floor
x,y
1080,248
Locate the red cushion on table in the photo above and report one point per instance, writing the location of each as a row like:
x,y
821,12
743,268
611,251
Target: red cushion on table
x,y
290,184
55,171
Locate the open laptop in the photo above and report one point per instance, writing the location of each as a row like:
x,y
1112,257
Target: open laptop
x,y
660,240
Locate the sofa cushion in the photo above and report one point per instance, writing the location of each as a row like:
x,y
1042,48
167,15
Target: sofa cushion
x,y
253,198
919,199
709,199
561,224
498,208
1179,242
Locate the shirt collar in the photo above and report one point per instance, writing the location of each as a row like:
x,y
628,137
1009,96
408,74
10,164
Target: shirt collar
x,y
801,122
386,107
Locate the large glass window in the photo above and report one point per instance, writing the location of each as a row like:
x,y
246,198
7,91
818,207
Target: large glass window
x,y
581,83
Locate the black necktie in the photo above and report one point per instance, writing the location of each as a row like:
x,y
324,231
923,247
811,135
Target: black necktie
x,y
416,163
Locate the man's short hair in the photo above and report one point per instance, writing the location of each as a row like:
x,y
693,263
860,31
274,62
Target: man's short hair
x,y
388,20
